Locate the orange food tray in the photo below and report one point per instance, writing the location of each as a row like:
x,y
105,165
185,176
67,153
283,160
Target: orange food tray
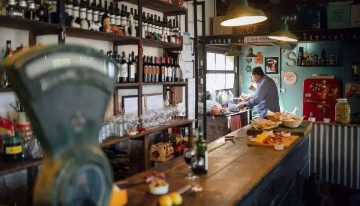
x,y
287,141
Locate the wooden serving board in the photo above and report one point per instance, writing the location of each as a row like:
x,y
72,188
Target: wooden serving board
x,y
302,130
287,141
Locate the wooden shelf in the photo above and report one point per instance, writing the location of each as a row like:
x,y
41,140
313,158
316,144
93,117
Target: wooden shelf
x,y
321,66
37,27
174,123
159,44
127,85
166,83
6,90
9,167
97,35
161,6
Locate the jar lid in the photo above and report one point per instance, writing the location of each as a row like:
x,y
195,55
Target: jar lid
x,y
12,139
342,100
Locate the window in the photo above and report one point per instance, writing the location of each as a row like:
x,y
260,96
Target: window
x,y
220,72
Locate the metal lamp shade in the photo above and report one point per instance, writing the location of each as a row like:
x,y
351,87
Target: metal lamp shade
x,y
233,51
283,35
240,14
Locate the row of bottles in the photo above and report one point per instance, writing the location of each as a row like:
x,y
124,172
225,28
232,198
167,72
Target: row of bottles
x,y
127,66
161,69
308,59
8,52
165,30
99,15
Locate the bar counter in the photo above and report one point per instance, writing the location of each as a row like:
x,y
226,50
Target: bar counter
x,y
238,174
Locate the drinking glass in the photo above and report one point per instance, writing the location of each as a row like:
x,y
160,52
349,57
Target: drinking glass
x,y
189,153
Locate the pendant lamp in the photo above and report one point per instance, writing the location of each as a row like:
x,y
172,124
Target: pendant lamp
x,y
240,14
251,53
233,51
283,34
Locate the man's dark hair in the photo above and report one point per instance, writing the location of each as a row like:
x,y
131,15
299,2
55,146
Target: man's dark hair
x,y
257,71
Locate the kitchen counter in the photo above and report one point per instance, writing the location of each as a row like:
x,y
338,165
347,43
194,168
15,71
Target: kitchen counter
x,y
238,174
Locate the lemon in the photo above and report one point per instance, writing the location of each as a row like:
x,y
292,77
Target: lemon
x,y
176,198
165,200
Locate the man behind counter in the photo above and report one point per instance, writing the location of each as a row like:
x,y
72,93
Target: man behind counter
x,y
266,96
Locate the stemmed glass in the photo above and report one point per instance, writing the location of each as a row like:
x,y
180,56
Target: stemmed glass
x,y
189,153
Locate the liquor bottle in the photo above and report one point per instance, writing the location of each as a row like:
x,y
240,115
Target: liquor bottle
x,y
90,15
117,16
131,21
163,69
123,16
30,12
131,69
76,14
136,21
101,11
124,69
145,69
145,26
112,13
177,72
53,17
8,53
83,21
96,17
42,12
200,166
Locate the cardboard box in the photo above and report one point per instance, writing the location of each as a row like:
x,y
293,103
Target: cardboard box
x,y
338,15
355,15
217,29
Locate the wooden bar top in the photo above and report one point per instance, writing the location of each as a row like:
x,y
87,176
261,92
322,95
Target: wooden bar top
x,y
234,170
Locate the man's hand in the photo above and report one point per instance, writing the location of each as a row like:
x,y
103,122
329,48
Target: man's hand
x,y
242,105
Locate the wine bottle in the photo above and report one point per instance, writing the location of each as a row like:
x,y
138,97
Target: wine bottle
x,y
30,12
8,53
145,26
163,70
53,17
136,20
131,69
146,69
117,16
83,21
112,13
123,16
90,15
42,12
201,165
124,69
76,13
177,72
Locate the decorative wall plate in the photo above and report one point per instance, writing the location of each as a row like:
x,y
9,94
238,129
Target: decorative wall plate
x,y
289,77
248,68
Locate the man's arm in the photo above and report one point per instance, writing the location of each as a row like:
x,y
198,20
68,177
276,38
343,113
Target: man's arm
x,y
260,95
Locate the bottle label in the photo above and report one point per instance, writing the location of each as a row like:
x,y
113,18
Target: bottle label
x,y
69,10
206,161
112,17
132,71
123,21
89,15
124,71
96,16
76,12
13,150
178,72
118,20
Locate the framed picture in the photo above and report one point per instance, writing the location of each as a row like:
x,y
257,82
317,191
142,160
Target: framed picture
x,y
271,65
129,104
352,89
154,101
355,71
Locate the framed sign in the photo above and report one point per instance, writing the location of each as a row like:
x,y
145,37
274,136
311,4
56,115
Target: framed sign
x,y
352,90
271,65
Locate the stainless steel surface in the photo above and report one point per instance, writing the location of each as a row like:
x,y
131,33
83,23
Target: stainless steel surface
x,y
335,153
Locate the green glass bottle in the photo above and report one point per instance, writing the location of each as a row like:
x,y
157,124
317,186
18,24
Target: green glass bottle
x,y
201,165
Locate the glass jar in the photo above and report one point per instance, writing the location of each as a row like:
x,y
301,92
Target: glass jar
x,y
342,111
12,148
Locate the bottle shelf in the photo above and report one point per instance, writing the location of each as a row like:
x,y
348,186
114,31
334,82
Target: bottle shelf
x,y
160,44
168,9
9,167
166,83
127,85
174,123
37,27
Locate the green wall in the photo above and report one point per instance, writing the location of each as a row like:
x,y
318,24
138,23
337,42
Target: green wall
x,y
347,53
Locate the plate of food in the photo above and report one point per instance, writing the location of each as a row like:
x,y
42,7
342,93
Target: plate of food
x,y
270,139
264,124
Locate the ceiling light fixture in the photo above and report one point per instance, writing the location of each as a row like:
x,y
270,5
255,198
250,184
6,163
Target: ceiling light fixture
x,y
251,53
234,51
283,34
240,14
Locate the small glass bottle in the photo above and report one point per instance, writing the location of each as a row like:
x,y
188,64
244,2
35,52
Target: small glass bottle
x,y
342,111
12,148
